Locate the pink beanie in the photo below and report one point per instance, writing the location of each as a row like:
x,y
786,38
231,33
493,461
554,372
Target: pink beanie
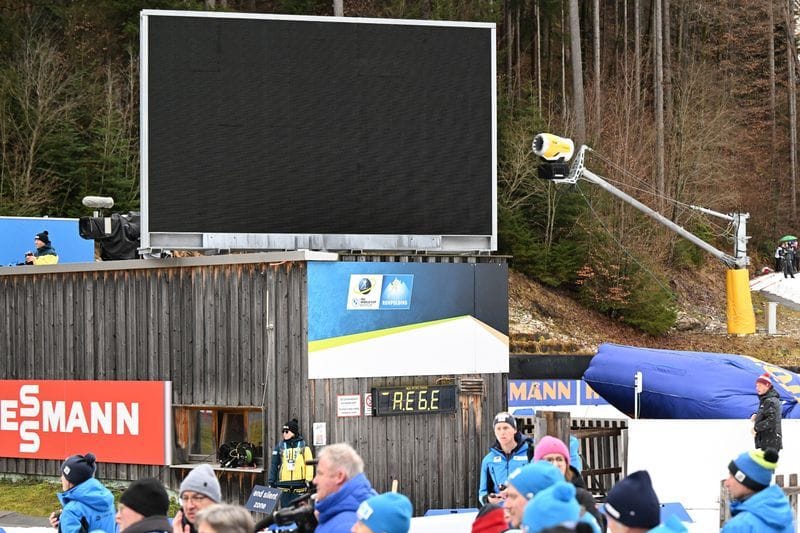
x,y
549,445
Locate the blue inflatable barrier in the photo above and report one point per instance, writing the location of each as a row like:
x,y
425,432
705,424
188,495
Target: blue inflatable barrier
x,y
686,385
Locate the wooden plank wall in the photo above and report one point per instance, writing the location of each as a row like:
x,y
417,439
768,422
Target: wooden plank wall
x,y
211,330
234,335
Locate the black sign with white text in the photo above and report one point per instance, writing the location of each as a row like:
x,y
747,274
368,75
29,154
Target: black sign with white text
x,y
414,400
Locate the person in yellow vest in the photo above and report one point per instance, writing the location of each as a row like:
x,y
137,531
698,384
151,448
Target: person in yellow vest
x,y
290,470
45,254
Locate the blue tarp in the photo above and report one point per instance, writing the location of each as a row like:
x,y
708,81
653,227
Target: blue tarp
x,y
16,238
686,385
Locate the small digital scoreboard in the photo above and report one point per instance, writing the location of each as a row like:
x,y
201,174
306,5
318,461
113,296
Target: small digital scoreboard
x,y
413,400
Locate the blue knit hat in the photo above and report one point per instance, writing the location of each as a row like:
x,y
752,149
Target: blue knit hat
x,y
386,513
78,468
754,469
534,478
632,502
551,507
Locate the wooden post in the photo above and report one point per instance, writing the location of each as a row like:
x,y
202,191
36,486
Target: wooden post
x,y
724,504
553,423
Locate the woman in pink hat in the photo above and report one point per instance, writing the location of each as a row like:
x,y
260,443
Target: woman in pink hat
x,y
554,451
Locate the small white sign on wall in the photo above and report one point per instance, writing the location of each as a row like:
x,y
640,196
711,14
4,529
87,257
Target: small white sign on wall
x,y
368,404
320,433
348,405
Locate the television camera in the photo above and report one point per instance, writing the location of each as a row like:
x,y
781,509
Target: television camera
x,y
299,512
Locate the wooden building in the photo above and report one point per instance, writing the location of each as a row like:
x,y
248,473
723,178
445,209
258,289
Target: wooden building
x,y
230,333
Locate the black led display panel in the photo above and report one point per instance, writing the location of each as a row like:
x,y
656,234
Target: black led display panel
x,y
295,126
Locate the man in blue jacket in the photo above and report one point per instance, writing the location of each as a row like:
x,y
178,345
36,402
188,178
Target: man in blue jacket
x,y
87,504
509,452
756,504
341,487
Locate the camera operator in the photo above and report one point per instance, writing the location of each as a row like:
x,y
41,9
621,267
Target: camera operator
x,y
341,487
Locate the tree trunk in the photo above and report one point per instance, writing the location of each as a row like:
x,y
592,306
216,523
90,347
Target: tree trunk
x,y
597,122
624,40
775,183
519,54
564,109
667,36
637,53
791,53
579,109
509,50
537,15
658,100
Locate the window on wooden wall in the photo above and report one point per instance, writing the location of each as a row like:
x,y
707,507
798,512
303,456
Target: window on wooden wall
x,y
200,430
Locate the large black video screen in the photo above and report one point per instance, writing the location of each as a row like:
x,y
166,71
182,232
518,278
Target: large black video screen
x,y
314,126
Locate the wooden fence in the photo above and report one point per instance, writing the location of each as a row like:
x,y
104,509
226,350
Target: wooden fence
x,y
603,448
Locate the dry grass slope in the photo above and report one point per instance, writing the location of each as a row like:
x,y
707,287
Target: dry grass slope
x,y
545,321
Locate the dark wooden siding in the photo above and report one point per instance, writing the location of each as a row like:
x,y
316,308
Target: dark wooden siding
x,y
232,334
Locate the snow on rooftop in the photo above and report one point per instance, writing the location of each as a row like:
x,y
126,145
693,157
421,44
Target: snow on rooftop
x,y
779,289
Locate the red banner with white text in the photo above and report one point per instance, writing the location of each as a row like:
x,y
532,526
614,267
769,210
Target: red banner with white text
x,y
118,421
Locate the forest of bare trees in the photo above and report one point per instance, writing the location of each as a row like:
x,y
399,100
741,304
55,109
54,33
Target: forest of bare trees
x,y
684,102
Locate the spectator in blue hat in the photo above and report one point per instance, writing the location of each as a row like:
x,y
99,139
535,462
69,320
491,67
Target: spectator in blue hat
x,y
756,503
553,507
385,513
524,483
86,503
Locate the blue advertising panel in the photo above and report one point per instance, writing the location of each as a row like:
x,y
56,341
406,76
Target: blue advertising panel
x,y
551,392
390,319
16,238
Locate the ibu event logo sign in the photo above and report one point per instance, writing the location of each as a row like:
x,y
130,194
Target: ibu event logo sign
x,y
379,291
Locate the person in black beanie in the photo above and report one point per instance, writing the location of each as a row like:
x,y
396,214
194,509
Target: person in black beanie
x,y
45,253
143,508
87,504
290,470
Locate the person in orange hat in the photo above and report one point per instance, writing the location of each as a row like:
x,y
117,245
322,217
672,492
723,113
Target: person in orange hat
x,y
767,420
